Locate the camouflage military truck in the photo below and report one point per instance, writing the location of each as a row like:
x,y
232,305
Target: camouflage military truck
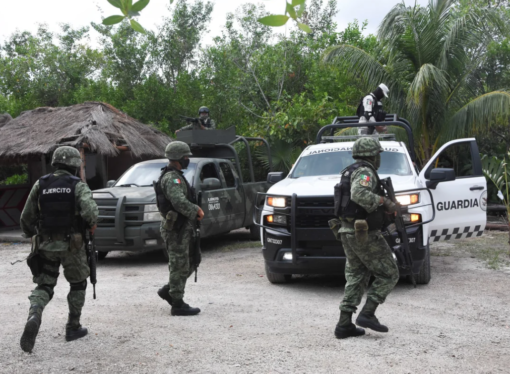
x,y
226,183
446,200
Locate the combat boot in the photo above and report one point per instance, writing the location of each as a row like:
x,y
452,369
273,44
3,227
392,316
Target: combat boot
x,y
180,308
73,328
345,328
27,341
163,293
368,319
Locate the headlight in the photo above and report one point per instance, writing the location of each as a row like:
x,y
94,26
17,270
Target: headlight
x,y
408,199
153,213
278,202
276,220
411,218
101,195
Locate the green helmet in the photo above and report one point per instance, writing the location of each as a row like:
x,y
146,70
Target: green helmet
x,y
68,156
366,147
203,109
177,150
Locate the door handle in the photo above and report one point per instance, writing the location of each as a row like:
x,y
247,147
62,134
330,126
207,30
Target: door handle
x,y
474,188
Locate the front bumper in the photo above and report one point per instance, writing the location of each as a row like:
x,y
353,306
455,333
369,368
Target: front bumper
x,y
136,238
318,252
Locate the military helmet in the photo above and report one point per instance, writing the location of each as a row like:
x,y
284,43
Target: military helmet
x,y
366,147
177,150
68,156
203,109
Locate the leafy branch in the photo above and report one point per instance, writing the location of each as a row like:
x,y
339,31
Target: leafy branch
x,y
293,10
129,10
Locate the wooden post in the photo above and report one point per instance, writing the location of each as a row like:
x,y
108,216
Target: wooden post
x,y
83,165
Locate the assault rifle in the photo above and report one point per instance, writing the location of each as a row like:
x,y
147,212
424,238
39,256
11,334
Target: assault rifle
x,y
197,255
197,122
401,228
92,255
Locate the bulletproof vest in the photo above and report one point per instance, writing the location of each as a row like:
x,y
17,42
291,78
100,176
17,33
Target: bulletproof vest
x,y
57,203
164,205
379,114
347,209
206,123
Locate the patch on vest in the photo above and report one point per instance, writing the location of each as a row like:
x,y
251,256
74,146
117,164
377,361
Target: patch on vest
x,y
178,181
364,182
365,177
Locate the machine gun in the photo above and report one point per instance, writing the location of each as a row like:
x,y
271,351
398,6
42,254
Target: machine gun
x,y
92,257
401,229
197,123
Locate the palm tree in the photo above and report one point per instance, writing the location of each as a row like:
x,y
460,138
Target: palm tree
x,y
428,57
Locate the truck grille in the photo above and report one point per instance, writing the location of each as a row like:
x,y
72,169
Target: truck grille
x,y
314,212
133,214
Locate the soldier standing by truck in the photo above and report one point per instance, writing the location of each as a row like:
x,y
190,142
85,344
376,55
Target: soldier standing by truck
x,y
363,206
57,209
176,204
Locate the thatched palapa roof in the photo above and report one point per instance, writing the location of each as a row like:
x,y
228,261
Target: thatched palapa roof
x,y
100,126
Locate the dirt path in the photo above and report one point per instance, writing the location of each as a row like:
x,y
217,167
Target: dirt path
x,y
458,323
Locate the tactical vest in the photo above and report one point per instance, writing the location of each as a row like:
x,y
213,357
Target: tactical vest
x,y
58,203
165,205
378,113
347,209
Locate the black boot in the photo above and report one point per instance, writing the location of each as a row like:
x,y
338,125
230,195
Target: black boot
x,y
163,293
180,308
27,341
368,319
73,328
345,328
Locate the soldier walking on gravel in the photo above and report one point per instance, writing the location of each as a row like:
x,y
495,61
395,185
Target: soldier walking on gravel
x,y
363,210
178,209
58,210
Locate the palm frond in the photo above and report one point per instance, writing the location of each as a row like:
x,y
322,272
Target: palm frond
x,y
477,114
359,63
429,78
494,170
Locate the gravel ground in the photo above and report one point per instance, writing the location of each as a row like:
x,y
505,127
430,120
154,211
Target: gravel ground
x,y
458,323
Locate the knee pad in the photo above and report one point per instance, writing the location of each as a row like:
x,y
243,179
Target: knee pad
x,y
79,286
46,288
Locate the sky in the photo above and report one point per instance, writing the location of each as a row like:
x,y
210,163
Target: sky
x,y
25,15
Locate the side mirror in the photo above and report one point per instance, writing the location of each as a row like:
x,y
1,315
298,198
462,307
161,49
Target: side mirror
x,y
440,175
274,177
210,184
110,184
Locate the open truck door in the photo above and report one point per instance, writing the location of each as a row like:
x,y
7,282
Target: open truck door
x,y
454,177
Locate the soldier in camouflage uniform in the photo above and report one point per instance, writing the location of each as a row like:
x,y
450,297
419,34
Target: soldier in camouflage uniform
x,y
179,213
365,248
206,123
57,209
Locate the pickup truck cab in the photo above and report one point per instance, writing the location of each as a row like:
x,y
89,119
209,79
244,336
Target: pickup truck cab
x,y
446,200
128,216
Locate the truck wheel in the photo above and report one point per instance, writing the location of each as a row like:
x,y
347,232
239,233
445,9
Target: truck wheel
x,y
276,278
101,255
254,232
424,275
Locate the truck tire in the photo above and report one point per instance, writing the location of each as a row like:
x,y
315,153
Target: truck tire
x,y
254,232
423,277
101,255
276,278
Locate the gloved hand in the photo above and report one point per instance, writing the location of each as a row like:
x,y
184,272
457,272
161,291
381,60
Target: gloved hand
x,y
389,205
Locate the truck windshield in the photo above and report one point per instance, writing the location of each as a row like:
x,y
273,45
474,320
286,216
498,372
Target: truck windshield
x,y
142,175
330,163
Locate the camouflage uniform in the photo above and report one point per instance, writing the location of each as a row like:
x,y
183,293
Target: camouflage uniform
x,y
172,188
55,250
178,243
372,257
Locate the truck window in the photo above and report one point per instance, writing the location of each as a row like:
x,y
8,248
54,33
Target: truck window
x,y
330,163
142,175
209,171
228,174
457,157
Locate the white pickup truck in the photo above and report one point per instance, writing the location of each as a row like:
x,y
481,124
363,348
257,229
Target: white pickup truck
x,y
446,200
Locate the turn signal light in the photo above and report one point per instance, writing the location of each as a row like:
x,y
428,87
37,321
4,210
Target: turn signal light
x,y
270,219
415,217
